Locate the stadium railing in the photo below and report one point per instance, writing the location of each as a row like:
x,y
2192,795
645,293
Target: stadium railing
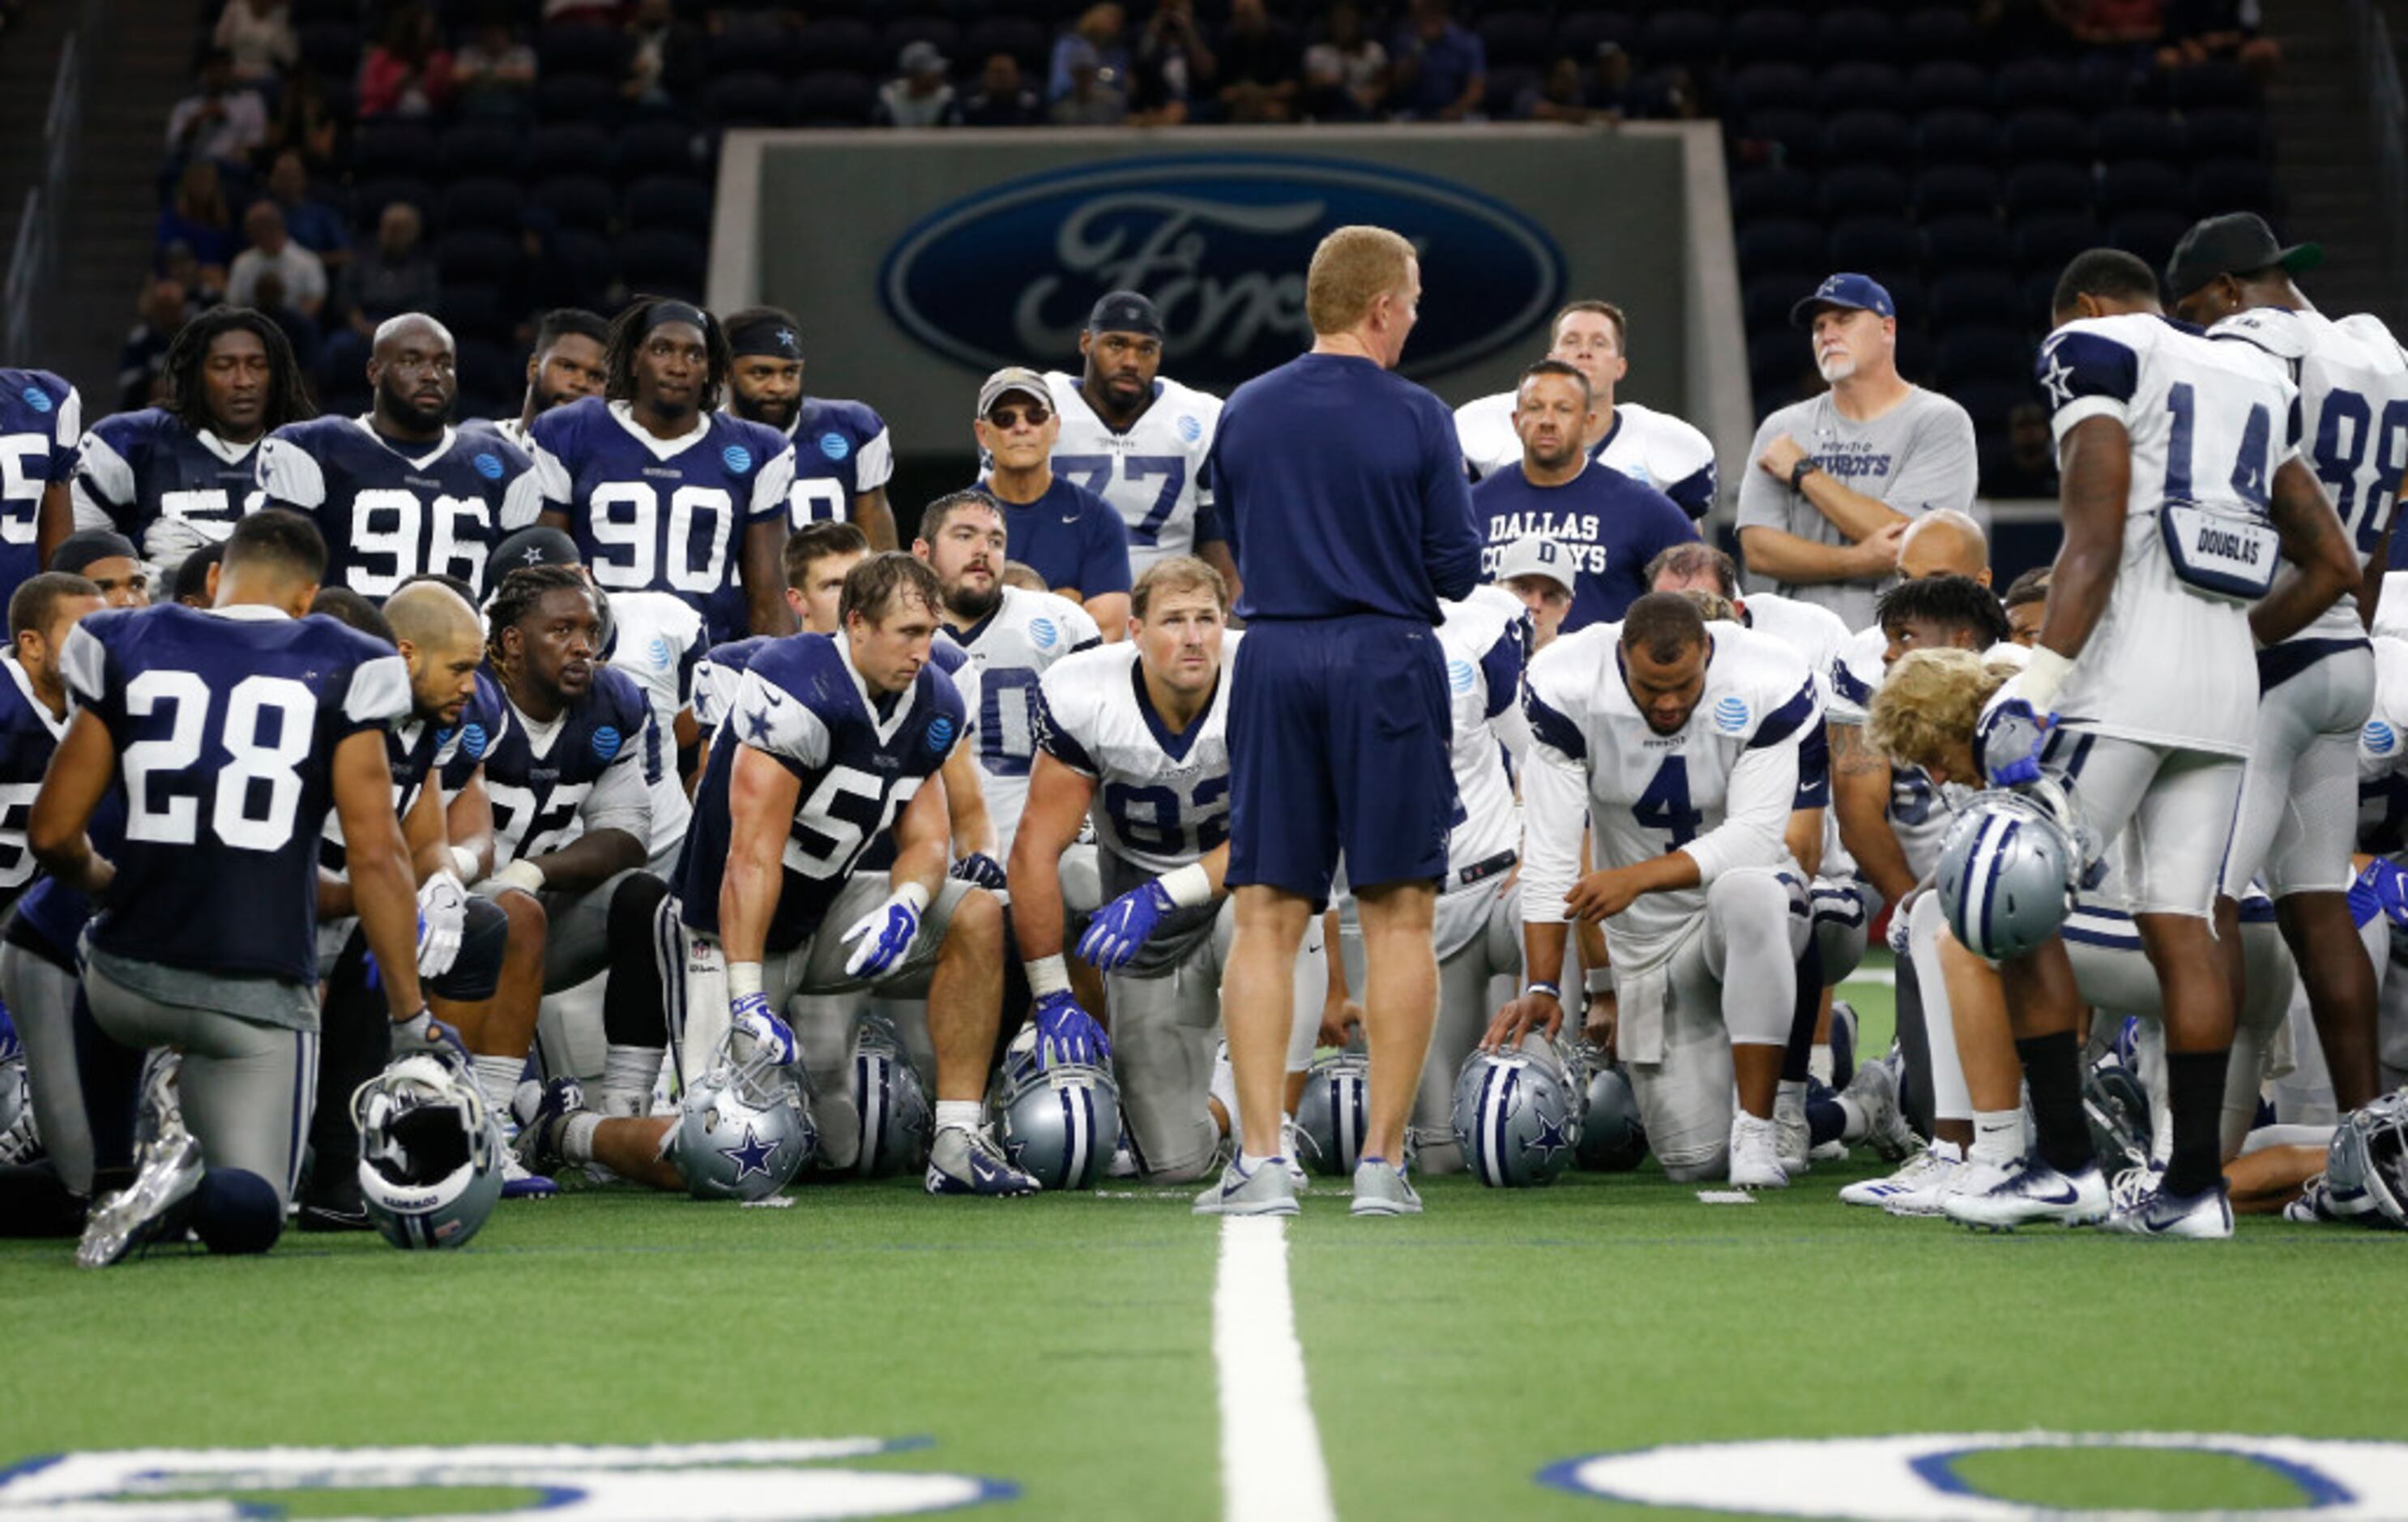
x,y
39,235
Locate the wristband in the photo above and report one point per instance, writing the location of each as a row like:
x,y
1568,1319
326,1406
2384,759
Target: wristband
x,y
1599,980
914,894
1187,887
743,980
1547,988
1047,975
2044,673
464,863
521,874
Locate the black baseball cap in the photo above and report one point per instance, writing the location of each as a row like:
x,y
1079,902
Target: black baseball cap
x,y
2236,243
1126,311
534,545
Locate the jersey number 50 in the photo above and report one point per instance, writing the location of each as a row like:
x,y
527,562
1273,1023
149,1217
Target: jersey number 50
x,y
258,790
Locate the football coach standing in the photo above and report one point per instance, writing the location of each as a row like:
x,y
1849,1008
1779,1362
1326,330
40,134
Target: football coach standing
x,y
1342,491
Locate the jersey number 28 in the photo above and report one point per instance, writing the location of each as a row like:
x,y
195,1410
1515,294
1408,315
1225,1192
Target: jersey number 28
x,y
266,729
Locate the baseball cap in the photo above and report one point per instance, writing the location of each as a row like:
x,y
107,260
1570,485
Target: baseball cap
x,y
1011,377
1856,292
922,57
1535,554
1126,311
534,545
2236,243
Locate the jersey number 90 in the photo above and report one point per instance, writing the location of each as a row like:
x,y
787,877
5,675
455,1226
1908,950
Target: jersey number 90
x,y
631,542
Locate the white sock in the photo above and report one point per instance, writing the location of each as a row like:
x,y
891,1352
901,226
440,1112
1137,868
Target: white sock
x,y
1224,1087
628,1073
1949,1151
1789,1099
957,1115
1853,1124
1997,1137
577,1136
1248,1162
498,1080
1820,1063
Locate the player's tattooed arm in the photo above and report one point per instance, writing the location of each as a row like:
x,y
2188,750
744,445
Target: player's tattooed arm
x,y
81,771
2318,548
1861,783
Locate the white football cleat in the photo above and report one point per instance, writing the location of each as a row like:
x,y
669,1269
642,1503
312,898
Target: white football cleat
x,y
1793,1138
2205,1216
1754,1154
2030,1192
1875,1092
1924,1174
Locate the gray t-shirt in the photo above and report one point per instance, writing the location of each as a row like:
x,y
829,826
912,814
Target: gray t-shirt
x,y
1917,456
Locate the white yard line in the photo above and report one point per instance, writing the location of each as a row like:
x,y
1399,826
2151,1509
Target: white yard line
x,y
1270,1450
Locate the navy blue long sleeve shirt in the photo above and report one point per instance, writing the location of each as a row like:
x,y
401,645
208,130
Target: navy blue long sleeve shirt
x,y
1342,491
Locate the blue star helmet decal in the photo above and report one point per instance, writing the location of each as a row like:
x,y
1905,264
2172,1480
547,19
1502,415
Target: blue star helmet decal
x,y
752,1156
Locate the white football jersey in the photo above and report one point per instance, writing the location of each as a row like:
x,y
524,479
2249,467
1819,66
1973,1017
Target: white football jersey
x,y
2353,383
1653,448
2383,747
657,639
2172,660
1154,474
513,429
1721,789
1012,649
1483,638
1814,631
1162,800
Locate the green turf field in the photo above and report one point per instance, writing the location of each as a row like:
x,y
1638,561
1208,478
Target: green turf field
x,y
1063,1346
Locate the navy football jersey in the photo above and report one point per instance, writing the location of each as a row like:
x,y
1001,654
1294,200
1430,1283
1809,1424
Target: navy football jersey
x,y
802,702
388,514
42,419
663,515
841,450
479,721
159,483
225,723
28,735
591,768
415,750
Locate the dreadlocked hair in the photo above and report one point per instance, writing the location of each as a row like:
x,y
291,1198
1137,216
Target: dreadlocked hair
x,y
288,399
627,333
518,596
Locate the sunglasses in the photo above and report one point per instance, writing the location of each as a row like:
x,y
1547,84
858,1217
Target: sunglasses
x,y
1009,417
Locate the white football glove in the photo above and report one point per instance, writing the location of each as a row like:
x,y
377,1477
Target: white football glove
x,y
442,920
881,938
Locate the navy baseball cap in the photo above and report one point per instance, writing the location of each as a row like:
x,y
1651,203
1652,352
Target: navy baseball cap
x,y
534,545
1126,311
1854,292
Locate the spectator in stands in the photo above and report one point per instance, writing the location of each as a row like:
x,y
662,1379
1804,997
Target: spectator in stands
x,y
663,55
1260,67
394,277
204,285
495,72
1094,98
1566,94
1441,67
921,95
301,330
2203,31
1099,28
2117,23
198,217
1346,72
142,364
301,275
408,73
315,225
1173,68
222,119
1001,99
2028,466
307,124
257,35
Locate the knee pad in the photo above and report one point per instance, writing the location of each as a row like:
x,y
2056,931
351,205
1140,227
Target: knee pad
x,y
476,971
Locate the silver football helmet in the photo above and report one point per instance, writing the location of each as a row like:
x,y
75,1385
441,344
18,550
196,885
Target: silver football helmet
x,y
1613,1137
1060,1123
430,1154
1334,1116
2365,1166
745,1129
2008,869
894,1118
1516,1116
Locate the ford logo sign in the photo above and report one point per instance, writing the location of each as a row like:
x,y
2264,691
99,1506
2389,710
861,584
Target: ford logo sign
x,y
1007,276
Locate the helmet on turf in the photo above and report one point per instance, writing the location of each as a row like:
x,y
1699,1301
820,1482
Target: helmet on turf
x,y
2365,1167
1335,1113
1612,1138
2117,1108
430,1154
745,1129
1061,1123
1515,1116
888,1098
2007,871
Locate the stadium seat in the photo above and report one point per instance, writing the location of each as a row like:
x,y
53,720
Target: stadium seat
x,y
747,100
383,148
565,148
1989,402
2033,188
1957,135
1014,35
1781,243
665,263
967,14
2234,185
485,202
2143,185
2224,134
834,99
372,196
1972,297
1858,84
2045,134
664,201
2136,131
2149,234
578,97
2043,244
1507,85
749,51
1938,33
1768,34
839,44
1949,188
582,49
1972,242
2102,80
2037,84
1865,136
478,148
1758,193
1861,190
489,379
1765,299
1798,132
903,30
1856,34
1579,34
1778,353
1875,243
313,12
658,148
2213,84
1946,86
333,49
475,256
1984,353
1770,87
1685,37
1914,353
472,308
582,266
1516,39
582,203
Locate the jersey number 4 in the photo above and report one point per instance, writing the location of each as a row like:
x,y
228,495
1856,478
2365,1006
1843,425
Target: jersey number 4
x,y
1665,805
266,730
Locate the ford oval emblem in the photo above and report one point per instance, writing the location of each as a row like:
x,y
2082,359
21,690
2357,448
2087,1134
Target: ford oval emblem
x,y
1220,243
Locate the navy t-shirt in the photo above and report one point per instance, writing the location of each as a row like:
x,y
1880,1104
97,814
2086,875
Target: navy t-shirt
x,y
1610,524
1070,536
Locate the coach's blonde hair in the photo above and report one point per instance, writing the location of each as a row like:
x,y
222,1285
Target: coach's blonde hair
x,y
1353,267
1928,703
1174,574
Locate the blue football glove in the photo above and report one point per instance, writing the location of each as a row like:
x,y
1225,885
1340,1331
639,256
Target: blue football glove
x,y
981,870
1121,927
2007,738
883,936
1066,1033
2381,889
423,1034
750,1017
